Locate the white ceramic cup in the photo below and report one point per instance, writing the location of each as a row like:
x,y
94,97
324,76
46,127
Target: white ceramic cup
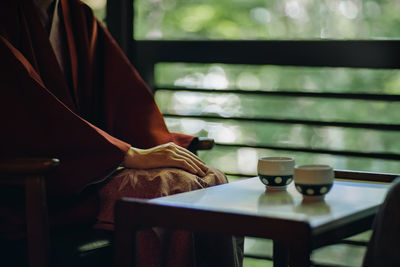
x,y
275,172
313,181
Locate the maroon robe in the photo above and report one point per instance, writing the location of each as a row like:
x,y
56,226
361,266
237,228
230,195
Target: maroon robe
x,y
87,113
88,117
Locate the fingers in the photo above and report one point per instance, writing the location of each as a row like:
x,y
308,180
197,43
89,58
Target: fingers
x,y
190,160
189,166
167,155
184,150
194,158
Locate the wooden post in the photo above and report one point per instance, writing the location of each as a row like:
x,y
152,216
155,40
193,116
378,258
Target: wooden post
x,y
37,222
119,19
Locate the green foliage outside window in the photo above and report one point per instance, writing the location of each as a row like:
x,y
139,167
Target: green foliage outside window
x,y
273,78
267,19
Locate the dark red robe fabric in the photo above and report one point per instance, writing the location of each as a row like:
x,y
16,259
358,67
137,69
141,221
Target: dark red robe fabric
x,y
87,117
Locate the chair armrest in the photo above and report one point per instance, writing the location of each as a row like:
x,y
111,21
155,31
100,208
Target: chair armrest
x,y
205,143
201,143
31,172
366,176
23,167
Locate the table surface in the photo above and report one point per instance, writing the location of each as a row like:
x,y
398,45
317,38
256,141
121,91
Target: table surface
x,y
250,197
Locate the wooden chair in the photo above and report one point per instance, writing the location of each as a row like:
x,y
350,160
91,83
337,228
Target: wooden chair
x,y
69,247
30,173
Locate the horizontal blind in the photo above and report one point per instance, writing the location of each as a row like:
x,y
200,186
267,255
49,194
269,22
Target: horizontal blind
x,y
321,118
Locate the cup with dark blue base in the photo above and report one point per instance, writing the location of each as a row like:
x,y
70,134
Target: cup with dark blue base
x,y
313,181
276,173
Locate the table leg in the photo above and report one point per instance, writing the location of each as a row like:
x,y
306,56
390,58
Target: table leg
x,y
125,246
280,254
300,256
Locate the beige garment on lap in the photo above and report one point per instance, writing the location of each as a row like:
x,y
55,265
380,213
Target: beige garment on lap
x,y
151,183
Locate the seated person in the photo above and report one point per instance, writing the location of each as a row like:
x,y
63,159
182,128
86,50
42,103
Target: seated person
x,y
384,247
68,91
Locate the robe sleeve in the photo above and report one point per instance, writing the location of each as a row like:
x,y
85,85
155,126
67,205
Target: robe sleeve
x,y
35,123
130,111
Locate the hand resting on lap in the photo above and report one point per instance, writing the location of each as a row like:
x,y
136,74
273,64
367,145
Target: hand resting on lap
x,y
166,155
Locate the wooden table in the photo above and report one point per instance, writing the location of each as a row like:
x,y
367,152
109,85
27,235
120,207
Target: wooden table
x,y
244,208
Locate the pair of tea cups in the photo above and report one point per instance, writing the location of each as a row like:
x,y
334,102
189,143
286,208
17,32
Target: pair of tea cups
x,y
312,181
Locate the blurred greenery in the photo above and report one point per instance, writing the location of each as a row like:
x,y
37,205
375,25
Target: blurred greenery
x,y
274,78
244,160
266,19
275,19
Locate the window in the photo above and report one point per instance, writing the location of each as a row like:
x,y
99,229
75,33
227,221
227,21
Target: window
x,y
340,114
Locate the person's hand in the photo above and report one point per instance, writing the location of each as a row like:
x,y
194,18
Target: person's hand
x,y
166,155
